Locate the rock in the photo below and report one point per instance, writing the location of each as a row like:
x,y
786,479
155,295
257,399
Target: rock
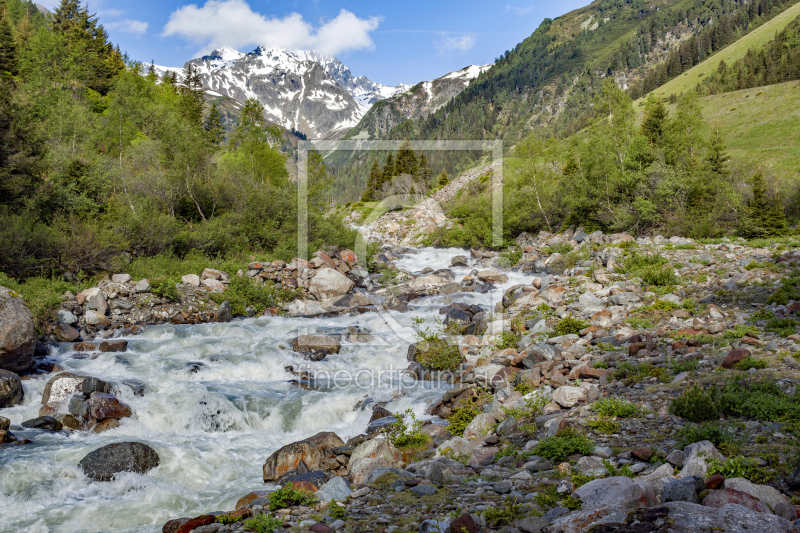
x,y
191,279
423,490
94,299
329,284
17,334
683,490
61,386
121,278
624,298
115,346
568,396
734,356
224,313
45,423
143,285
718,498
459,260
67,317
695,464
464,524
196,523
289,457
5,423
502,487
715,481
643,454
213,285
373,454
317,347
66,333
765,493
490,276
95,318
11,392
675,458
320,528
250,497
479,426
217,275
336,489
103,463
103,406
105,425
91,385
618,490
532,524
326,440
434,526
785,510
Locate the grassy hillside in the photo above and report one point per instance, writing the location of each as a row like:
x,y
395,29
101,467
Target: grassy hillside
x,y
762,126
759,37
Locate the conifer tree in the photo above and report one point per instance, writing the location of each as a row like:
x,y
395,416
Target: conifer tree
x,y
213,125
406,162
654,121
169,78
762,218
192,90
388,170
717,158
151,72
375,177
8,48
443,179
425,171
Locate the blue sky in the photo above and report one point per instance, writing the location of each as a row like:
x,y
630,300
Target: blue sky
x,y
389,42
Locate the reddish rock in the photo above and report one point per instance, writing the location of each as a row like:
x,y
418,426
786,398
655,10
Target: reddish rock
x,y
734,356
751,341
241,513
194,523
715,481
584,372
718,498
84,346
634,348
320,528
327,439
464,524
66,333
105,425
245,500
349,257
113,346
303,485
173,525
643,454
287,458
105,406
678,345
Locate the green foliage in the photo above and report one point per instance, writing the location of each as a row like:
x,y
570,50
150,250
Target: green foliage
x,y
599,364
764,217
533,407
510,257
243,292
751,362
263,523
569,325
788,289
697,405
337,510
227,519
738,466
633,372
720,434
604,425
503,515
437,350
568,442
560,248
507,339
740,331
43,297
613,472
759,400
406,432
688,365
616,407
288,496
165,289
782,326
461,418
524,388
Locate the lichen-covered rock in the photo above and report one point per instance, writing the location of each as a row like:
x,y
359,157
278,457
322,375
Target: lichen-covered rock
x,y
289,457
103,463
17,334
11,392
329,284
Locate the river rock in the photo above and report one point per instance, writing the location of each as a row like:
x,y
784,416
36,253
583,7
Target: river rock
x,y
490,276
191,280
45,423
765,493
317,347
95,318
336,489
224,313
370,455
121,278
11,392
289,457
210,273
329,284
67,317
66,333
568,396
480,425
93,299
61,386
694,464
683,490
617,490
103,463
17,334
719,498
103,406
326,440
115,346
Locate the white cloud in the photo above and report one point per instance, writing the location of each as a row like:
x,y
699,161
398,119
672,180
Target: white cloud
x,y
459,44
521,10
233,23
110,13
137,27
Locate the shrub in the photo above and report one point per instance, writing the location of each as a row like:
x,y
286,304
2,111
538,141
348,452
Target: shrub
x,y
718,433
760,400
242,292
599,364
697,405
227,519
566,443
569,326
782,326
617,408
507,340
337,510
461,418
604,425
560,248
689,365
165,289
660,277
503,515
750,362
437,352
613,471
510,258
739,331
738,466
43,297
288,496
263,523
406,431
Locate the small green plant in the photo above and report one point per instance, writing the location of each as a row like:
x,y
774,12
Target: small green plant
x,y
524,388
288,496
165,289
406,432
613,471
503,515
664,305
660,277
437,351
762,314
615,407
604,425
640,323
510,257
788,289
599,364
533,408
750,362
568,326
227,519
782,326
507,340
739,331
461,418
720,434
688,365
566,443
244,292
697,405
263,523
337,510
547,497
738,466
560,248
571,502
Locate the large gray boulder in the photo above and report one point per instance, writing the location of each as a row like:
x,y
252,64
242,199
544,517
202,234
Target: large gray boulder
x,y
336,489
619,490
10,389
103,463
17,334
329,284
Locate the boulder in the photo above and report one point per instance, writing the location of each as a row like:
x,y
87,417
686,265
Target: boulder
x,y
17,334
103,406
490,276
480,425
329,284
618,490
115,346
67,317
765,493
103,463
459,260
224,313
121,278
336,489
210,273
66,333
568,396
718,498
213,285
45,423
289,457
683,490
734,356
694,464
11,392
61,386
95,318
317,347
326,440
191,279
93,299
371,455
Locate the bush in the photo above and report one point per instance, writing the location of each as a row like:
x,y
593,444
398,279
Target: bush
x,y
242,292
461,418
718,433
165,289
263,523
437,351
660,277
782,326
510,258
760,400
750,362
697,405
617,408
503,515
599,364
566,443
739,466
406,431
43,297
569,326
288,496
689,365
604,425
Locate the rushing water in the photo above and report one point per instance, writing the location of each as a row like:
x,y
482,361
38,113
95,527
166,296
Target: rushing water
x,y
213,429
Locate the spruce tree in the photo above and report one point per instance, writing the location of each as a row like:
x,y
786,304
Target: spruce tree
x,y
192,91
443,179
152,76
717,158
654,121
375,177
762,218
8,48
388,170
213,125
425,171
406,162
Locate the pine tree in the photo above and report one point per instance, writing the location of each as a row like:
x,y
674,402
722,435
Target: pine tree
x,y
192,90
169,78
375,177
388,169
717,158
213,125
654,121
406,162
8,48
762,218
152,76
425,172
443,179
